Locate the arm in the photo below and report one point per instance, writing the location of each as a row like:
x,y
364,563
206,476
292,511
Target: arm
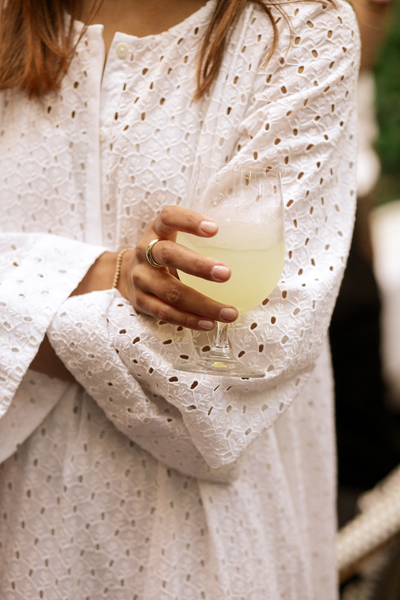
x,y
150,290
81,336
306,129
31,269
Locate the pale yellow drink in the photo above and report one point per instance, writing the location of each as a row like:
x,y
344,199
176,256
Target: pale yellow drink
x,y
256,269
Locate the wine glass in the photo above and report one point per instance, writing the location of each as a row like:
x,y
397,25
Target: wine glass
x,y
247,204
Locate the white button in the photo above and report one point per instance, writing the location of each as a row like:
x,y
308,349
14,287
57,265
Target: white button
x,y
103,134
122,50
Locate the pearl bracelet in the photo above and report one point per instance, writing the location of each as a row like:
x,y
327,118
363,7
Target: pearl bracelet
x,y
118,267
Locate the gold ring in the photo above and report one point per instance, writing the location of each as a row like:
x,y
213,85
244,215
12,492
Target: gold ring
x,y
149,255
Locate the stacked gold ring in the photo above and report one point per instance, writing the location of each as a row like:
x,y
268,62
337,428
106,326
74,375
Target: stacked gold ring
x,y
149,255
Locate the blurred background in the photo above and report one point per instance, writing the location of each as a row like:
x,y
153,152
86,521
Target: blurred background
x,y
365,328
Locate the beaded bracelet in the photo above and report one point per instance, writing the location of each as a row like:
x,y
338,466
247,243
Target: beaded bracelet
x,y
118,267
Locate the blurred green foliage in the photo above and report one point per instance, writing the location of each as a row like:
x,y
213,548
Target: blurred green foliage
x,y
387,189
388,99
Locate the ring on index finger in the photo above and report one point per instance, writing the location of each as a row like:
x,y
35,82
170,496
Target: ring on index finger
x,y
149,255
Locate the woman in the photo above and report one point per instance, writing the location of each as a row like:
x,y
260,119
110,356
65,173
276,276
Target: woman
x,y
140,481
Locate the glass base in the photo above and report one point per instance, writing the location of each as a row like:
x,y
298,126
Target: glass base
x,y
219,366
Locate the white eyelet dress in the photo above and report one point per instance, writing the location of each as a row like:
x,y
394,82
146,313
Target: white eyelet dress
x,y
142,482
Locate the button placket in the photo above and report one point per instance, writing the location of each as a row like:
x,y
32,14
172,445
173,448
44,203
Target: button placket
x,y
113,74
116,73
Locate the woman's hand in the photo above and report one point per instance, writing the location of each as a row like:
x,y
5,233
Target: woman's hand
x,y
152,291
157,292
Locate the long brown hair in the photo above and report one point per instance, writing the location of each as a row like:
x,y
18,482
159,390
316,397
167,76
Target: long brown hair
x,y
36,48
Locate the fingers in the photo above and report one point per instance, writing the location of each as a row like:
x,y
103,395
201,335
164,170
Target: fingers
x,y
156,292
150,305
177,218
176,301
176,256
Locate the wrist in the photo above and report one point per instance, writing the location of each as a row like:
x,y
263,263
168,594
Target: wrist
x,y
100,275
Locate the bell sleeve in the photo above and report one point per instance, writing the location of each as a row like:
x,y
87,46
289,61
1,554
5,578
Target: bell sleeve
x,y
37,273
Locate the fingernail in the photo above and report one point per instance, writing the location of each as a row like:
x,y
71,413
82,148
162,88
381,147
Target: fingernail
x,y
208,227
207,325
228,314
220,273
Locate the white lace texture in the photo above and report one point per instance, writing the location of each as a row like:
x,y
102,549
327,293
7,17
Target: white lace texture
x,y
37,273
192,499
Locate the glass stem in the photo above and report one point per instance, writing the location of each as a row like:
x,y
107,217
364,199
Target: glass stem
x,y
221,348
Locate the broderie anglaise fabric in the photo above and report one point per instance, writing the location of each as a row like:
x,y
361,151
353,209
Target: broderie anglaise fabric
x,y
132,526
37,273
